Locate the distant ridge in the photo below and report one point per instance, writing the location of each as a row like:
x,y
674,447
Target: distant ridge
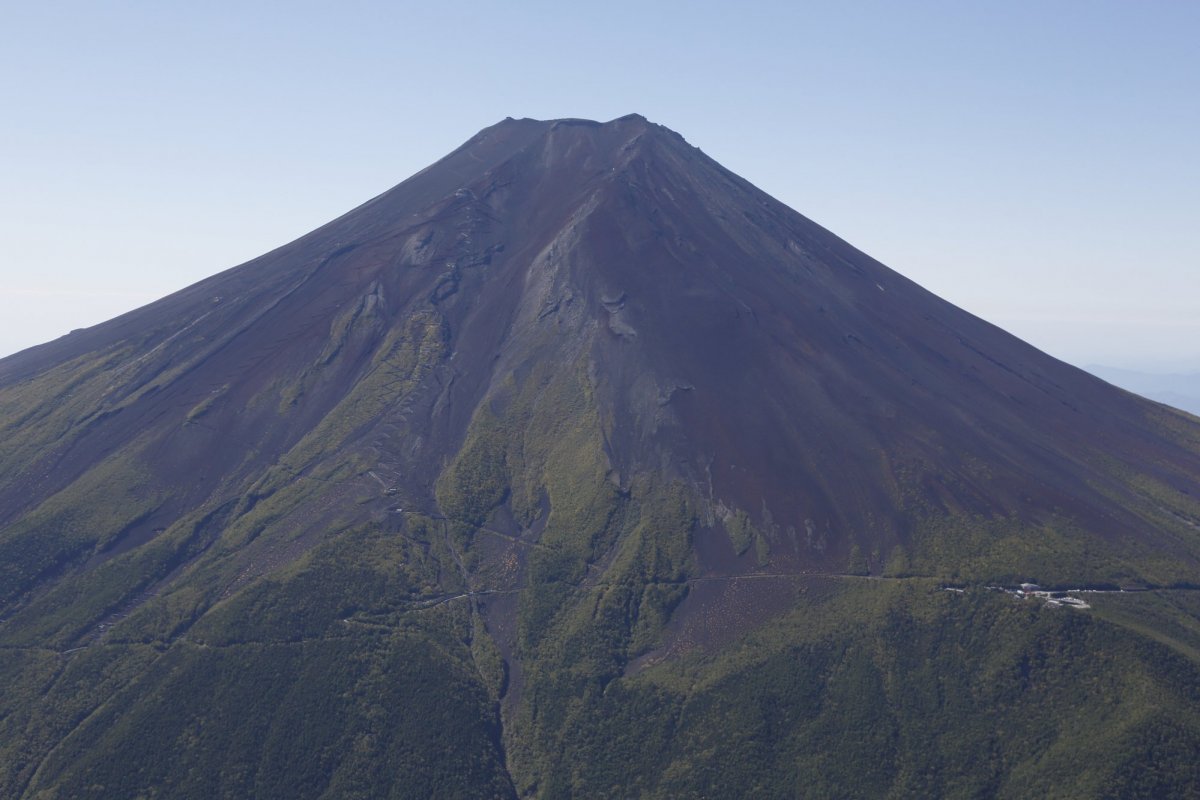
x,y
1177,389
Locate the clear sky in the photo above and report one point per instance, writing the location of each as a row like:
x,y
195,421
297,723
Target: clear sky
x,y
1037,163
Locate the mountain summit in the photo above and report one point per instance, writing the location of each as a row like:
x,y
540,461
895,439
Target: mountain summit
x,y
577,465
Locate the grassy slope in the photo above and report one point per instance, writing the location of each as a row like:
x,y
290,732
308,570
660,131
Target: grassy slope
x,y
358,671
874,689
336,678
345,673
865,689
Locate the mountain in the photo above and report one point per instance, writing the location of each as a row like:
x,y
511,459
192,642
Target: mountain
x,y
575,465
1178,389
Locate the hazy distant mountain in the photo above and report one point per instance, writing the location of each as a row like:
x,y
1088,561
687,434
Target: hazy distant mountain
x,y
575,465
1181,390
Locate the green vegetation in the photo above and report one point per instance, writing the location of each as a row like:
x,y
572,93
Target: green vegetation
x,y
742,532
356,664
856,564
205,405
86,516
478,479
336,675
875,690
47,694
945,539
303,633
369,715
397,366
361,577
52,409
359,668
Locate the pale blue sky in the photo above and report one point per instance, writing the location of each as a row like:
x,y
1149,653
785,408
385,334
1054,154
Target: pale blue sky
x,y
1034,162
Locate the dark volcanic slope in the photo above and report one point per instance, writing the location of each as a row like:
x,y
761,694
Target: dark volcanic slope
x,y
570,365
730,341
